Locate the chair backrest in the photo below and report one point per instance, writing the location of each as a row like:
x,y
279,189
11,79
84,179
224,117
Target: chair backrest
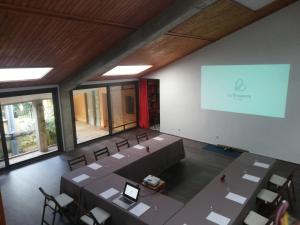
x,y
142,136
73,163
100,152
48,197
121,144
290,178
276,202
90,215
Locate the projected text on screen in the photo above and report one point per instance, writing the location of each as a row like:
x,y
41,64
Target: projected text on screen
x,y
250,89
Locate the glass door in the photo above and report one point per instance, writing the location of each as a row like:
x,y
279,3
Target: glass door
x,y
29,126
90,113
123,107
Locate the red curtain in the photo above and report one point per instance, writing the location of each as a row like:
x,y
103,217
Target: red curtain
x,y
144,112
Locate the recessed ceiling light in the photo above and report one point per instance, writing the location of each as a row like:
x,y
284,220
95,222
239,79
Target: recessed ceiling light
x,y
22,74
254,4
127,70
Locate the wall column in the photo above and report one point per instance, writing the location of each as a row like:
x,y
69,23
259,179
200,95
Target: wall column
x,y
66,120
40,125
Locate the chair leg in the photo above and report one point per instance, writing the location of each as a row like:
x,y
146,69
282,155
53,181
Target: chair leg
x,y
289,198
54,215
293,190
43,215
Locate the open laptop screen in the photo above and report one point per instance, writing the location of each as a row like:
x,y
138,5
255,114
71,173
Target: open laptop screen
x,y
131,191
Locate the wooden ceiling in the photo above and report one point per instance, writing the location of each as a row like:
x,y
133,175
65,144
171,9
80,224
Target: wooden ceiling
x,y
220,19
67,34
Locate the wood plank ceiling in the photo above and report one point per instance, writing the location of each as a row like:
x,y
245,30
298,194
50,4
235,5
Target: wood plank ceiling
x,y
67,34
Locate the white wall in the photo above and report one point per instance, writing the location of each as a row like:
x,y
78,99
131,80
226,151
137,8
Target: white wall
x,y
274,39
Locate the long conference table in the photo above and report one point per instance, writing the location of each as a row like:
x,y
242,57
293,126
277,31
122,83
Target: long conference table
x,y
220,202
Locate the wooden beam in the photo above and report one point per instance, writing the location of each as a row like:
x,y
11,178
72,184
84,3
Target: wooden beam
x,y
191,36
47,13
170,18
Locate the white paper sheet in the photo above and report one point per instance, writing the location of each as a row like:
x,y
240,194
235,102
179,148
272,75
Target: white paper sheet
x,y
139,209
158,138
80,178
109,193
251,178
263,165
118,156
236,198
94,166
139,146
217,218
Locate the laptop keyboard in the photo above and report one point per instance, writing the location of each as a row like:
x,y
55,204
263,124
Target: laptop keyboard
x,y
125,200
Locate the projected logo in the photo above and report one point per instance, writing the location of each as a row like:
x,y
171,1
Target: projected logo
x,y
239,93
239,85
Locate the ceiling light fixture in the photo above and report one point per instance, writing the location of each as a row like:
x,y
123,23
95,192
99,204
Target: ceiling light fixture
x,y
127,70
254,4
22,74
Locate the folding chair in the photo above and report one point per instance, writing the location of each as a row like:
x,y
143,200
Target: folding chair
x,y
121,144
100,152
73,163
56,204
96,216
142,136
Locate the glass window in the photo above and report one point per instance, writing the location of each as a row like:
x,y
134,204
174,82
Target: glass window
x,y
123,107
29,126
91,114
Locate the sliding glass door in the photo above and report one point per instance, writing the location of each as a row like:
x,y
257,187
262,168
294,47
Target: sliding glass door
x,y
123,107
104,110
29,126
90,113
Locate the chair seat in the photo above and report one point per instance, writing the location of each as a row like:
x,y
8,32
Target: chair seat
x,y
63,200
267,196
254,218
277,180
100,215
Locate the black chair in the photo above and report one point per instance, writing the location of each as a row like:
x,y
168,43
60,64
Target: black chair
x,y
100,152
269,200
57,204
96,216
73,163
121,144
142,136
286,184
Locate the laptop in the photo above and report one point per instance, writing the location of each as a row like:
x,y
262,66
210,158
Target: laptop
x,y
129,196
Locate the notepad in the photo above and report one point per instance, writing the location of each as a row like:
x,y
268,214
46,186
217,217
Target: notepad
x,y
94,166
263,165
139,209
236,198
158,138
139,146
251,178
217,218
80,178
109,193
118,156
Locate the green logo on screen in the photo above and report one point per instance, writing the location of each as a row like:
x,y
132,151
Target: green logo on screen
x,y
239,85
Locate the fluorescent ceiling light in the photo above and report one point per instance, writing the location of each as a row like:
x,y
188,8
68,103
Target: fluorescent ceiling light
x,y
254,4
22,74
127,70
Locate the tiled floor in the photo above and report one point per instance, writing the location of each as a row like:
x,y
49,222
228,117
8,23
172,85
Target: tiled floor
x,y
86,132
23,202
